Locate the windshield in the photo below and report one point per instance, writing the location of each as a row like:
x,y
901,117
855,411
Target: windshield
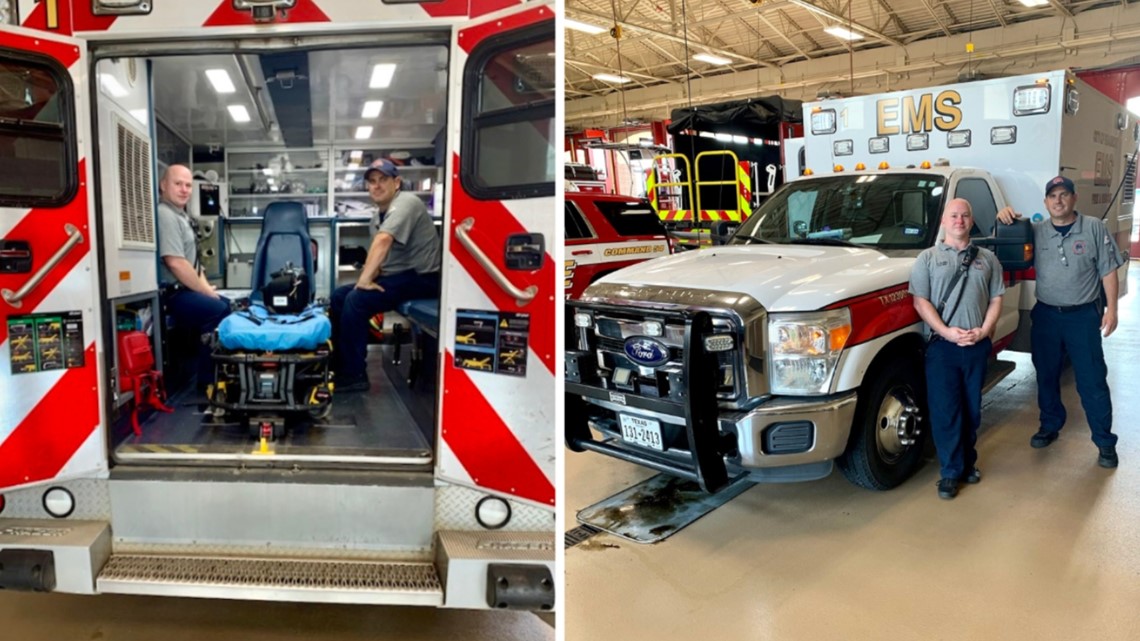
x,y
889,211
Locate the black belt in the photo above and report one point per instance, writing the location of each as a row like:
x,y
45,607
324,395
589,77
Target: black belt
x,y
1066,309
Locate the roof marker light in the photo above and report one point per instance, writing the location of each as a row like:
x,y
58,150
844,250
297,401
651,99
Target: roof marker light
x,y
860,166
884,165
925,164
839,168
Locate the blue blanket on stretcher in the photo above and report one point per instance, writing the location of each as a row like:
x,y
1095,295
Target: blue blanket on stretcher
x,y
258,329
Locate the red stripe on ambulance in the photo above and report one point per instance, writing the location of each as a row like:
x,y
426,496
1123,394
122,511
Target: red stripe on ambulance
x,y
226,16
66,54
472,36
879,313
484,444
69,411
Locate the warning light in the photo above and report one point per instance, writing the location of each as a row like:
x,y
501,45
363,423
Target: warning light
x,y
860,166
969,47
839,168
884,165
808,172
925,164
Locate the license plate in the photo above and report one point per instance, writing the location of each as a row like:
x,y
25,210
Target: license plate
x,y
645,432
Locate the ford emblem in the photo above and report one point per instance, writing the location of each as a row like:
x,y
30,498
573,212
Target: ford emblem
x,y
646,351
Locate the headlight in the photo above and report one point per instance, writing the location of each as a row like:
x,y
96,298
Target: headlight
x,y
804,349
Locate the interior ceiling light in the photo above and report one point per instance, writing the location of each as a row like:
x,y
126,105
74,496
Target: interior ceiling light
x,y
372,109
1034,3
363,133
221,80
584,27
711,59
382,75
843,33
609,77
239,113
112,85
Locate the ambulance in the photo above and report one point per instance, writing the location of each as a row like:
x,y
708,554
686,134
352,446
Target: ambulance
x,y
796,348
435,487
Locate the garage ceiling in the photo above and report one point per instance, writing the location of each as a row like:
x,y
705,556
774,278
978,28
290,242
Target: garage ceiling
x,y
791,47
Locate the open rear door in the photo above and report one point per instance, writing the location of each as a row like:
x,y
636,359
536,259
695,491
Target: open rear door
x,y
497,414
51,424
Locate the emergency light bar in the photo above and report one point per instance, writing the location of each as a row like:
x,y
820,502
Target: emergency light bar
x,y
1031,99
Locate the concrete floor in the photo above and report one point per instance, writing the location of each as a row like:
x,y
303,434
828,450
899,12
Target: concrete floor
x,y
58,617
1045,547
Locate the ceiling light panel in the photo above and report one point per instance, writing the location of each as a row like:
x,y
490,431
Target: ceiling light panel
x,y
382,75
711,59
363,133
221,80
843,33
582,26
372,109
239,113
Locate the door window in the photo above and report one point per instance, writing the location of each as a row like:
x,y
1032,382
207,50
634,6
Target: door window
x,y
576,226
977,192
37,137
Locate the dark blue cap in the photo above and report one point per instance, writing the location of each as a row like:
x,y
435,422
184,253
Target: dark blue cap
x,y
388,168
1060,181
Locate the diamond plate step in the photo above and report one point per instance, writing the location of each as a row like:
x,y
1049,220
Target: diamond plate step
x,y
317,581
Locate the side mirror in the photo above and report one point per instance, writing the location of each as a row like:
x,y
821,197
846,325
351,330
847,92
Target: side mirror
x,y
1013,245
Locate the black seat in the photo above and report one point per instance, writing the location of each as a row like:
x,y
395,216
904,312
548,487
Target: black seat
x,y
284,239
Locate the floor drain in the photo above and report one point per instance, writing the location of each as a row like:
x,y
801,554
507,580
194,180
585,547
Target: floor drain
x,y
579,534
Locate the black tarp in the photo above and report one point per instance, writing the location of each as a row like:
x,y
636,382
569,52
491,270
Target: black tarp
x,y
756,117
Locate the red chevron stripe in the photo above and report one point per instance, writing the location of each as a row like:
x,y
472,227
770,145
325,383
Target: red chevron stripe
x,y
472,36
878,313
226,16
493,223
484,444
67,54
43,229
56,427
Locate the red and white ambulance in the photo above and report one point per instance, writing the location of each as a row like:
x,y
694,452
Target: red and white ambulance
x,y
435,492
605,233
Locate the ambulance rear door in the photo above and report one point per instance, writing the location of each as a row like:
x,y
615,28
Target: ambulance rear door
x,y
51,419
497,401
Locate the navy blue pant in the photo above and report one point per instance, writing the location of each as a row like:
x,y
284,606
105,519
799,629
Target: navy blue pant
x,y
1076,333
198,314
954,377
351,309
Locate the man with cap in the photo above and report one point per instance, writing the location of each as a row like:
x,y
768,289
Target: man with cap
x,y
403,263
957,289
1075,258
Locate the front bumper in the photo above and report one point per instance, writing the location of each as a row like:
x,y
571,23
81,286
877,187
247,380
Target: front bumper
x,y
827,420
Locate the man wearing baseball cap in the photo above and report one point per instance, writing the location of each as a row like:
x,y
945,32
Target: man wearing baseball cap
x,y
403,263
1075,257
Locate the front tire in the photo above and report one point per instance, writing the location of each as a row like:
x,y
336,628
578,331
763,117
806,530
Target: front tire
x,y
890,429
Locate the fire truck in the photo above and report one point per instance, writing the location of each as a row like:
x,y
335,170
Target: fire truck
x,y
436,487
796,348
726,159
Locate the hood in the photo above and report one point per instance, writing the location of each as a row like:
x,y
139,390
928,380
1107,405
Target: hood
x,y
782,278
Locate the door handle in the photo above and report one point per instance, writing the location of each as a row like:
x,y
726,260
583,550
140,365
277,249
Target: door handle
x,y
74,237
521,296
581,252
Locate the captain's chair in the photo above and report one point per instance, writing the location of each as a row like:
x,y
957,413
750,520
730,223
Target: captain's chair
x,y
284,239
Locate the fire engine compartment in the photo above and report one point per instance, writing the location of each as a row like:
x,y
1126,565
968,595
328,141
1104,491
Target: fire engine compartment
x,y
270,123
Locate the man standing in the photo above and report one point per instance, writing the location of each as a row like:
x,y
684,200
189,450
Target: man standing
x,y
957,289
403,264
1075,258
188,296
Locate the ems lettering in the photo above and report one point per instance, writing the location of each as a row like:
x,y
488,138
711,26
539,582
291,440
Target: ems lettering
x,y
920,114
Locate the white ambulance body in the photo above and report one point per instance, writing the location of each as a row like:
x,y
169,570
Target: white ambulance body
x,y
459,513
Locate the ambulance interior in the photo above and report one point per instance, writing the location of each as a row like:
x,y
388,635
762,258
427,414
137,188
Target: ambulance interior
x,y
260,127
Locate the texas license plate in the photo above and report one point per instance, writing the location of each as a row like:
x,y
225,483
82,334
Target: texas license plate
x,y
645,432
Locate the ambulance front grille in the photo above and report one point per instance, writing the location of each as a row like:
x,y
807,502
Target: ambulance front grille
x,y
273,579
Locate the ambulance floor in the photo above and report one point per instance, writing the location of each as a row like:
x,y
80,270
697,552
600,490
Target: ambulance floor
x,y
364,427
56,617
1045,547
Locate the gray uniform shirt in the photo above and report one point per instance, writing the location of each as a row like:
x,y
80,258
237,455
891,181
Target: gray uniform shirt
x,y
1070,267
175,238
935,268
417,245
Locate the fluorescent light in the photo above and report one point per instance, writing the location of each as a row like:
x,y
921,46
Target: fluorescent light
x,y
221,80
609,77
382,75
363,133
372,109
723,137
843,33
1034,3
239,113
711,59
584,27
140,115
111,84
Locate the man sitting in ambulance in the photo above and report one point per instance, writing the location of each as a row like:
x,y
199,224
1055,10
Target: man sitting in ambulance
x,y
186,294
403,264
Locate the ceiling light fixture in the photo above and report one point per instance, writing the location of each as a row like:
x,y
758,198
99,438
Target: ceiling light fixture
x,y
382,75
711,59
372,109
584,27
1034,3
221,80
239,113
363,133
609,77
843,33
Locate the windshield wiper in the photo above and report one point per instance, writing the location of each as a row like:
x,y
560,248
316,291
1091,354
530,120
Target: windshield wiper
x,y
750,239
831,242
